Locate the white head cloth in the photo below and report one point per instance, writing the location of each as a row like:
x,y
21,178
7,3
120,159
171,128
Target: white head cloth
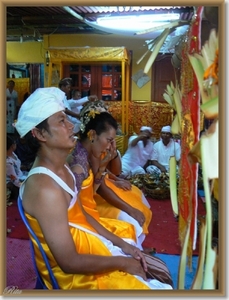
x,y
143,128
40,105
166,129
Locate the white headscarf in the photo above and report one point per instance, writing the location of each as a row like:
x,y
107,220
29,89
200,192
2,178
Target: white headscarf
x,y
166,129
40,105
143,128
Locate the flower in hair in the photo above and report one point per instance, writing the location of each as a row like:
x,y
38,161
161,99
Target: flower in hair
x,y
90,111
82,127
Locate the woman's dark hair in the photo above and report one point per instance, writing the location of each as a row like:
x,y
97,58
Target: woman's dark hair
x,y
9,142
100,123
31,141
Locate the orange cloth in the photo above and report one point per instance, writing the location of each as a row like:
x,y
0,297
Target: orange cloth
x,y
85,243
132,197
120,228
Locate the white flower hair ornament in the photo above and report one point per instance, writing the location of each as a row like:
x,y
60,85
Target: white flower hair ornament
x,y
90,111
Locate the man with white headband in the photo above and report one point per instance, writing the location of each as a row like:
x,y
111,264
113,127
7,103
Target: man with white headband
x,y
82,253
139,152
162,152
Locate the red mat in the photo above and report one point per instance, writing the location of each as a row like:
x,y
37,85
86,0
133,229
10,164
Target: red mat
x,y
20,273
14,223
163,229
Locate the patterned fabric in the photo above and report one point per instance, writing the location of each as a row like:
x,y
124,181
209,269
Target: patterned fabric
x,y
79,156
152,114
187,196
13,170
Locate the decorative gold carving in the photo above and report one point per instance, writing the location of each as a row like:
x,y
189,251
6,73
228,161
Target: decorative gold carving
x,y
153,114
187,76
115,108
121,143
90,54
187,130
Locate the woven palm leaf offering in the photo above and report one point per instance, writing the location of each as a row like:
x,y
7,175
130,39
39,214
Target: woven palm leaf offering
x,y
137,180
156,185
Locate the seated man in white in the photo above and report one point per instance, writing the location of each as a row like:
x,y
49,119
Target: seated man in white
x,y
139,152
162,152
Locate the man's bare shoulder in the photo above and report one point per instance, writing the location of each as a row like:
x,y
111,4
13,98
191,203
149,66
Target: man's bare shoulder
x,y
41,189
40,181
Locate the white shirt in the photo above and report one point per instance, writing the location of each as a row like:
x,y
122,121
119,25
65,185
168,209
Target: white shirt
x,y
73,120
77,105
136,156
162,153
13,170
12,96
67,105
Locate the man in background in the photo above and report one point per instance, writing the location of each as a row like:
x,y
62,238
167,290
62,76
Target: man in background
x,y
162,151
65,85
77,103
139,152
12,106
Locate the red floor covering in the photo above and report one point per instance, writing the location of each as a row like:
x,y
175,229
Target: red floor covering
x,y
15,225
163,229
20,272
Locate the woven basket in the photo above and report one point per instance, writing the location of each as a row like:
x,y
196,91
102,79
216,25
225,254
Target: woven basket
x,y
121,143
158,193
137,180
156,186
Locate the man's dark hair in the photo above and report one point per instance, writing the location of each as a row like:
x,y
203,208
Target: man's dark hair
x,y
11,81
9,142
65,81
31,141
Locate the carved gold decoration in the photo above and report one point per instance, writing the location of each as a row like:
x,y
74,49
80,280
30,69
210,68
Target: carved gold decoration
x,y
90,54
187,130
121,143
187,76
115,108
153,114
141,113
